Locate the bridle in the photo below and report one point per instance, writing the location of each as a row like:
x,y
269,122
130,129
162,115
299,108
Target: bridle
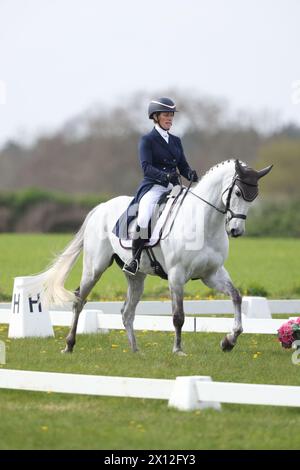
x,y
227,209
233,215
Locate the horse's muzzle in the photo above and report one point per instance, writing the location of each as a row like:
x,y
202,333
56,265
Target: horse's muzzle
x,y
235,232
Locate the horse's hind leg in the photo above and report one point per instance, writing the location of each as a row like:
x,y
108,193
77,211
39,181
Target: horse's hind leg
x,y
221,281
176,285
78,305
93,268
134,293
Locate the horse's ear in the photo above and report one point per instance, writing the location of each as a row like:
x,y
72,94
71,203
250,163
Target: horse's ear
x,y
265,171
239,168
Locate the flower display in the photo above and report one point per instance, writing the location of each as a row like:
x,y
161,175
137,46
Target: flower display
x,y
289,332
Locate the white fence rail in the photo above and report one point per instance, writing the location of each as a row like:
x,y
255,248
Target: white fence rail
x,y
191,307
184,393
192,324
158,323
249,394
156,316
86,384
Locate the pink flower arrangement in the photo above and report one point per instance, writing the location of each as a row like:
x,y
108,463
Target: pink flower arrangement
x,y
289,332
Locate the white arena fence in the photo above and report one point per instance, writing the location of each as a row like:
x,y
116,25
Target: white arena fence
x,y
26,317
183,393
154,315
191,307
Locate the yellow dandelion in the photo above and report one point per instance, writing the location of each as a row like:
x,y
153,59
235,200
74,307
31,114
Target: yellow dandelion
x,y
114,346
44,428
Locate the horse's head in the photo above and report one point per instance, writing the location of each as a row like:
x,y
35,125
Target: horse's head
x,y
238,196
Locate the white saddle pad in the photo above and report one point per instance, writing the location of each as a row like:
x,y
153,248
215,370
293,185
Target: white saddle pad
x,y
156,235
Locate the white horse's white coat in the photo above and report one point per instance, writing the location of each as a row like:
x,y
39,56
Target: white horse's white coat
x,y
196,247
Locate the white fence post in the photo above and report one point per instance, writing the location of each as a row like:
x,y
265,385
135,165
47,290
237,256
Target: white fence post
x,y
184,395
256,307
88,322
2,353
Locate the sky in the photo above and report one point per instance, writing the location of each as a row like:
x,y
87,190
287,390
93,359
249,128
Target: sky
x,y
61,57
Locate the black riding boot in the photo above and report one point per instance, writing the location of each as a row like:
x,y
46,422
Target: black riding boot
x,y
133,265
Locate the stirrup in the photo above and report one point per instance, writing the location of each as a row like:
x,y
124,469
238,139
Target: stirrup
x,y
127,269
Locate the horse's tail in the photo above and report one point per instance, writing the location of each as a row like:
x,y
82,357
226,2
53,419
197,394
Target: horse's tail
x,y
53,279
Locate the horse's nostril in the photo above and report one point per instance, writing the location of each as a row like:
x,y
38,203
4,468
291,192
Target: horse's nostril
x,y
235,232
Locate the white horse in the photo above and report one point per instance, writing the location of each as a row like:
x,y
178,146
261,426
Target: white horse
x,y
195,248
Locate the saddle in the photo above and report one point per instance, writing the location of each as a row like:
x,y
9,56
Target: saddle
x,y
163,220
160,219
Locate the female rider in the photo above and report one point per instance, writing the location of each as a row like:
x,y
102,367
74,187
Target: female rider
x,y
160,154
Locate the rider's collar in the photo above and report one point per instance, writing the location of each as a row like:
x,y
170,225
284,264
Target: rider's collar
x,y
162,132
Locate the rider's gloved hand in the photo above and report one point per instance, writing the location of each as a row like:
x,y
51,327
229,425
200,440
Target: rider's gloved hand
x,y
174,179
165,178
192,176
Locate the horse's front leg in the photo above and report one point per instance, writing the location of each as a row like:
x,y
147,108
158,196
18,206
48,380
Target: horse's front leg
x,y
221,281
176,283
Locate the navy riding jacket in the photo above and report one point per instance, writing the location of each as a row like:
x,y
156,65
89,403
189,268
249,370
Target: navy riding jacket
x,y
157,158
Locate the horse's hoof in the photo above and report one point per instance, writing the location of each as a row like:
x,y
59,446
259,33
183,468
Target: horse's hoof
x,y
226,345
66,350
138,353
180,353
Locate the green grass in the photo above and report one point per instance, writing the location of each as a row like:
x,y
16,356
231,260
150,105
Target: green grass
x,y
268,267
31,420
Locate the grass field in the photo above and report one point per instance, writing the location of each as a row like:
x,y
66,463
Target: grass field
x,y
55,421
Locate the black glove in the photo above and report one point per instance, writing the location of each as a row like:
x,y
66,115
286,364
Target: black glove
x,y
192,176
165,178
174,179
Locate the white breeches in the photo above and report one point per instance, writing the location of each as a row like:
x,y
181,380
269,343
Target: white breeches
x,y
148,202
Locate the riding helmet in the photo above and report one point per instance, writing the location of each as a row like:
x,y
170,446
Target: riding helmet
x,y
161,105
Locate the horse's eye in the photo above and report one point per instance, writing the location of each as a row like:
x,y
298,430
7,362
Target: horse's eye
x,y
238,193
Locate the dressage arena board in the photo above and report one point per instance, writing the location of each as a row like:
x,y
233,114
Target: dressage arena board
x,y
160,323
184,393
156,316
195,307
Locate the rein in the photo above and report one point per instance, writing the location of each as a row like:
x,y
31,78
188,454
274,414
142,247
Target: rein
x,y
177,209
227,207
222,211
